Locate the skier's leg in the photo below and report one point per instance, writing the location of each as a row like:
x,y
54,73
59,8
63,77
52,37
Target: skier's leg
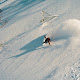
x,y
49,43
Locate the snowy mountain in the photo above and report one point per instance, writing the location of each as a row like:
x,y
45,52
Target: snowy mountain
x,y
22,28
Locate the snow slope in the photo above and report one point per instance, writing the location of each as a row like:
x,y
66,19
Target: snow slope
x,y
22,53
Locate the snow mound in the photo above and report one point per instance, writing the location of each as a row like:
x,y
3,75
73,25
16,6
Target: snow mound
x,y
72,73
68,29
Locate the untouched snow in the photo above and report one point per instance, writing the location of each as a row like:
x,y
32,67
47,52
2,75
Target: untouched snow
x,y
22,53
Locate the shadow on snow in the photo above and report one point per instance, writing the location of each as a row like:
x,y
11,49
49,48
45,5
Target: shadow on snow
x,y
3,1
17,7
32,46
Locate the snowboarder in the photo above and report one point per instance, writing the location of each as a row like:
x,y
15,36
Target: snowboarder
x,y
47,40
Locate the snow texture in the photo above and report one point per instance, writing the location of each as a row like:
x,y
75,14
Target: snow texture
x,y
22,53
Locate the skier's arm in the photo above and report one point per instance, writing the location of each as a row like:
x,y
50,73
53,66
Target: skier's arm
x,y
45,36
49,43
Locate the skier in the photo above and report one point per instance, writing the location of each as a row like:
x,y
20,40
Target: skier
x,y
47,40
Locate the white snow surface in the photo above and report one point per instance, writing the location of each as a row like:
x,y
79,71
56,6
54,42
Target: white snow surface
x,y
22,53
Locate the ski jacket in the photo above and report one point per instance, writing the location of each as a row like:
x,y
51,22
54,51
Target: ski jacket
x,y
47,40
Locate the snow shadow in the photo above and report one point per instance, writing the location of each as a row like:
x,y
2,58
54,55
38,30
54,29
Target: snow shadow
x,y
50,75
3,1
32,46
17,7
